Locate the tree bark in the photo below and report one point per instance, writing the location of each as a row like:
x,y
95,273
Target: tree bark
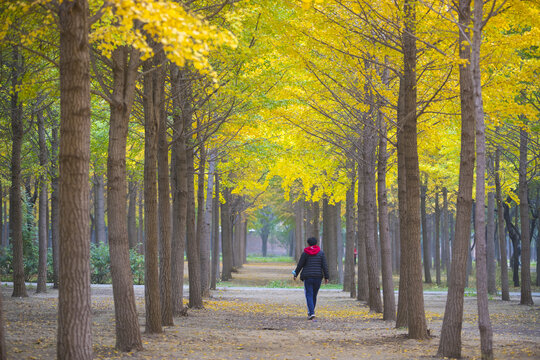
x,y
445,236
151,128
15,204
99,208
526,295
437,239
490,240
55,210
226,236
330,239
349,276
370,196
450,341
164,196
426,247
215,234
363,288
413,259
43,208
202,233
484,323
125,64
206,233
402,311
181,86
3,352
299,228
131,214
389,301
74,340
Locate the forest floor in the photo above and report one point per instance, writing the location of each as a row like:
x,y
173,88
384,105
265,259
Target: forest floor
x,y
270,323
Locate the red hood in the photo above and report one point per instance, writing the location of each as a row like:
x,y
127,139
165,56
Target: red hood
x,y
312,250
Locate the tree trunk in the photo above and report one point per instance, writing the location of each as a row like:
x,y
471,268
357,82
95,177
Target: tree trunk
x,y
437,239
484,323
329,239
182,105
526,296
450,342
3,354
370,194
425,238
413,258
131,215
515,238
125,64
339,243
164,196
140,230
206,235
299,229
402,311
15,205
312,218
389,312
43,208
74,339
349,276
226,236
202,233
151,262
194,265
490,237
215,234
445,236
55,210
99,208
363,288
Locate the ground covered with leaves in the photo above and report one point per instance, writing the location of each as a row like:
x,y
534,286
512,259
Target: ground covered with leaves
x,y
270,323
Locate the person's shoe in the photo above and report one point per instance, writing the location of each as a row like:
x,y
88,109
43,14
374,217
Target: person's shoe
x,y
311,317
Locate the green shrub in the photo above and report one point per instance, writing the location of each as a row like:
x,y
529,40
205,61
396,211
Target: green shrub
x,y
100,264
137,266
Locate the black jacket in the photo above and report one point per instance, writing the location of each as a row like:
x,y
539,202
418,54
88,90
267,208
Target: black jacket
x,y
312,266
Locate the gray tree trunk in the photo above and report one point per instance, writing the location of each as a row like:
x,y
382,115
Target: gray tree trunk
x,y
164,197
74,339
55,210
426,246
490,242
151,259
402,311
526,295
206,230
299,229
349,283
99,208
43,208
181,86
226,236
370,205
389,301
363,288
215,235
131,214
484,323
437,239
450,341
15,205
193,251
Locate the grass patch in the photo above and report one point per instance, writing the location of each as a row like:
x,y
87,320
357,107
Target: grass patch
x,y
269,259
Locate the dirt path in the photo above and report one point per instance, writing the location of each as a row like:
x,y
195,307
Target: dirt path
x,y
251,323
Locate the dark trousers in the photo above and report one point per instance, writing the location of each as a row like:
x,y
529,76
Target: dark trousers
x,y
311,289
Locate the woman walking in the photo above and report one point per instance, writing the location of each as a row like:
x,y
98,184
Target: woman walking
x,y
313,265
